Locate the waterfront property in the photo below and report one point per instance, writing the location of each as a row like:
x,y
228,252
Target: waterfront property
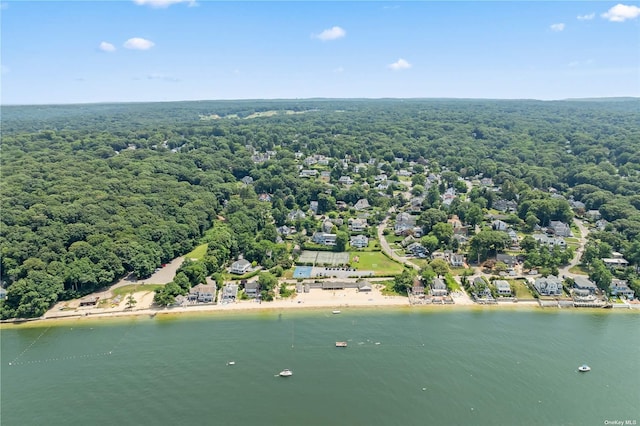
x,y
548,286
202,293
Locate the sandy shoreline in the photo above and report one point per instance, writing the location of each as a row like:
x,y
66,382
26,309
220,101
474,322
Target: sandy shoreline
x,y
314,301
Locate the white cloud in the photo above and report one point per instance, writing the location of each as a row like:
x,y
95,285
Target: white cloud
x,y
107,47
161,4
4,69
138,43
163,77
400,64
557,27
338,70
586,17
332,33
621,12
574,64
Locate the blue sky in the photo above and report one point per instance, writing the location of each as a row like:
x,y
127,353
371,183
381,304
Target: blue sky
x,y
165,50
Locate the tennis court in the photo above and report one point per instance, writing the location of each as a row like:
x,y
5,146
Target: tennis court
x,y
323,258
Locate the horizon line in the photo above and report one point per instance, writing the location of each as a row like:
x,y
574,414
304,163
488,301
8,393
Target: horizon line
x,y
588,98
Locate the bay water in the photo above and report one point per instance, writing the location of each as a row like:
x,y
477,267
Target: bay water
x,y
401,367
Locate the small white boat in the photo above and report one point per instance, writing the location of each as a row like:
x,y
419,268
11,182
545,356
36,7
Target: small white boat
x,y
584,368
231,363
286,373
336,312
341,344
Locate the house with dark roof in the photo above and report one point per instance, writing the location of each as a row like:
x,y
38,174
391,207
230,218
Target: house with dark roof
x,y
438,288
560,229
509,260
252,289
584,286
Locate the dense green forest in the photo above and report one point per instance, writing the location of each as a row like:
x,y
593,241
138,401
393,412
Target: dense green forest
x,y
92,192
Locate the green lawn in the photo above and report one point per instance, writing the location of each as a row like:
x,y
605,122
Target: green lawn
x,y
394,239
198,253
522,290
133,288
579,269
375,261
452,284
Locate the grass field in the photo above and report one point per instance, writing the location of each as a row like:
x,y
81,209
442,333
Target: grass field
x,y
579,269
133,288
198,253
522,291
375,261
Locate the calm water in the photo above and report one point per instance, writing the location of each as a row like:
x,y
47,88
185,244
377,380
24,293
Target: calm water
x,y
400,368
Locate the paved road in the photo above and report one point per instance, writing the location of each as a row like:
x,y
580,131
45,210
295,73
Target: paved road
x,y
584,231
386,248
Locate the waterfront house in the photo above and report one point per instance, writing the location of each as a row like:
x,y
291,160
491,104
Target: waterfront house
x,y
438,288
3,293
621,288
584,286
229,293
503,288
203,293
417,289
252,289
548,286
240,267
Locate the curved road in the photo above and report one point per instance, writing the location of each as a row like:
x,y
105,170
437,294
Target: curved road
x,y
584,231
386,248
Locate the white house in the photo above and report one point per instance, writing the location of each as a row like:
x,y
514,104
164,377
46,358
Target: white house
x,y
548,286
357,225
438,288
503,287
324,238
621,288
240,267
346,180
359,241
362,204
456,260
